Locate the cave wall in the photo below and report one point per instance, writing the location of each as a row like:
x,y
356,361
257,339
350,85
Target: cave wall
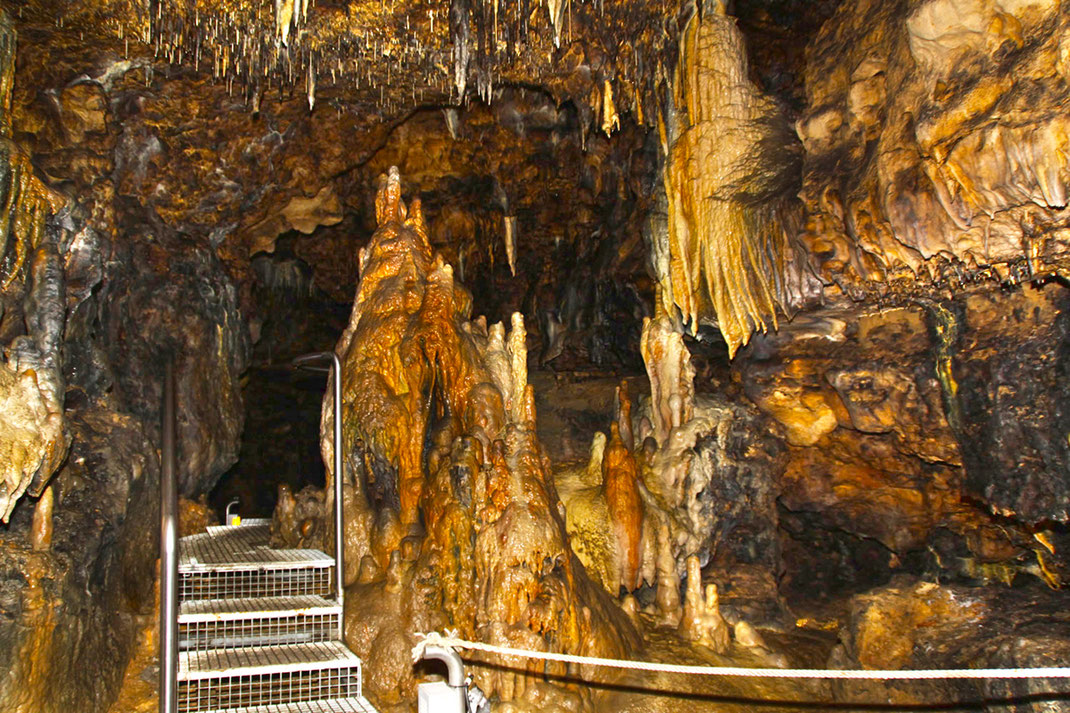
x,y
96,292
934,139
903,446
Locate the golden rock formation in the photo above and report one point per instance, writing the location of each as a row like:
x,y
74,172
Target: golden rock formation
x,y
41,529
33,435
727,255
620,477
947,122
448,491
702,620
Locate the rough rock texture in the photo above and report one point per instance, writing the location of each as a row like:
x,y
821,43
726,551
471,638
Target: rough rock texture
x,y
450,510
920,624
1012,416
727,255
934,141
89,311
34,431
900,434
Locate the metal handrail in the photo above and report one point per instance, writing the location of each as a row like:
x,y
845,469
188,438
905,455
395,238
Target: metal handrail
x,y
168,549
339,563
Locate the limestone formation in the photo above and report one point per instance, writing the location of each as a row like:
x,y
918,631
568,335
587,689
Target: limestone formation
x,y
947,119
41,530
702,620
493,559
805,266
32,423
730,255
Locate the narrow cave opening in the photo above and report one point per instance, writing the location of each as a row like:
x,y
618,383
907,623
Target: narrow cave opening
x,y
280,444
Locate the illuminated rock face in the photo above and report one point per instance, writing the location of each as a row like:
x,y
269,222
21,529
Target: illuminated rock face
x,y
451,516
946,122
33,431
727,256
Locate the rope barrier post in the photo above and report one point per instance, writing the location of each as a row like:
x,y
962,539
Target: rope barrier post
x,y
449,696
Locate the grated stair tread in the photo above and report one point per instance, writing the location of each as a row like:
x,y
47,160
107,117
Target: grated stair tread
x,y
359,704
197,610
240,548
217,530
255,660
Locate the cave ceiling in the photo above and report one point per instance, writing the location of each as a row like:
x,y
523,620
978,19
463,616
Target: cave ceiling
x,y
236,122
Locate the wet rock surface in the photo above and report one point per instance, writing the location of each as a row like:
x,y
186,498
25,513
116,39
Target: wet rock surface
x,y
840,265
922,624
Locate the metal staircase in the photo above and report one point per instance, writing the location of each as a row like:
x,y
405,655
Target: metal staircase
x,y
259,630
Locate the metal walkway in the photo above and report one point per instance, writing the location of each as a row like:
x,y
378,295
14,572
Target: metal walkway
x,y
258,629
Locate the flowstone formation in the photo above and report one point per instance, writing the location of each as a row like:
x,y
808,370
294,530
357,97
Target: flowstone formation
x,y
452,520
945,121
95,291
728,255
33,429
682,478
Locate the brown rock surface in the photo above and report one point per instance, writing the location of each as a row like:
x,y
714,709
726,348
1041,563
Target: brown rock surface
x,y
478,544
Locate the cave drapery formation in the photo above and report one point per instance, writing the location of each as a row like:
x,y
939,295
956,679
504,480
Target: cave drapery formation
x,y
702,329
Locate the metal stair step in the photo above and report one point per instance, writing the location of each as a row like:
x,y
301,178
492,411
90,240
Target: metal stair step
x,y
265,675
236,562
246,522
254,608
359,704
196,665
242,548
260,621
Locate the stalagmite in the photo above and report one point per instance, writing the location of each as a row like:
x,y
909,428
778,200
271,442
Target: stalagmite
x,y
668,366
620,483
41,529
418,374
702,621
623,415
668,594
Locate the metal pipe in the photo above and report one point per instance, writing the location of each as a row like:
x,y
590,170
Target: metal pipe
x,y
168,549
454,665
226,517
339,556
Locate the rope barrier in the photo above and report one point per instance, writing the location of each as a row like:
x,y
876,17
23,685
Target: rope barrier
x,y
451,641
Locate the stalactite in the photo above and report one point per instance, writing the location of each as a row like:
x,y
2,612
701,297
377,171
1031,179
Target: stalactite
x,y
510,242
725,250
610,119
459,36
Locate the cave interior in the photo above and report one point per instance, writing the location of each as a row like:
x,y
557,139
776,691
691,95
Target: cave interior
x,y
715,332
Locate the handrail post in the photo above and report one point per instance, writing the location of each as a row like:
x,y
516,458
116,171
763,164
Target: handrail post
x,y
338,550
168,549
339,556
